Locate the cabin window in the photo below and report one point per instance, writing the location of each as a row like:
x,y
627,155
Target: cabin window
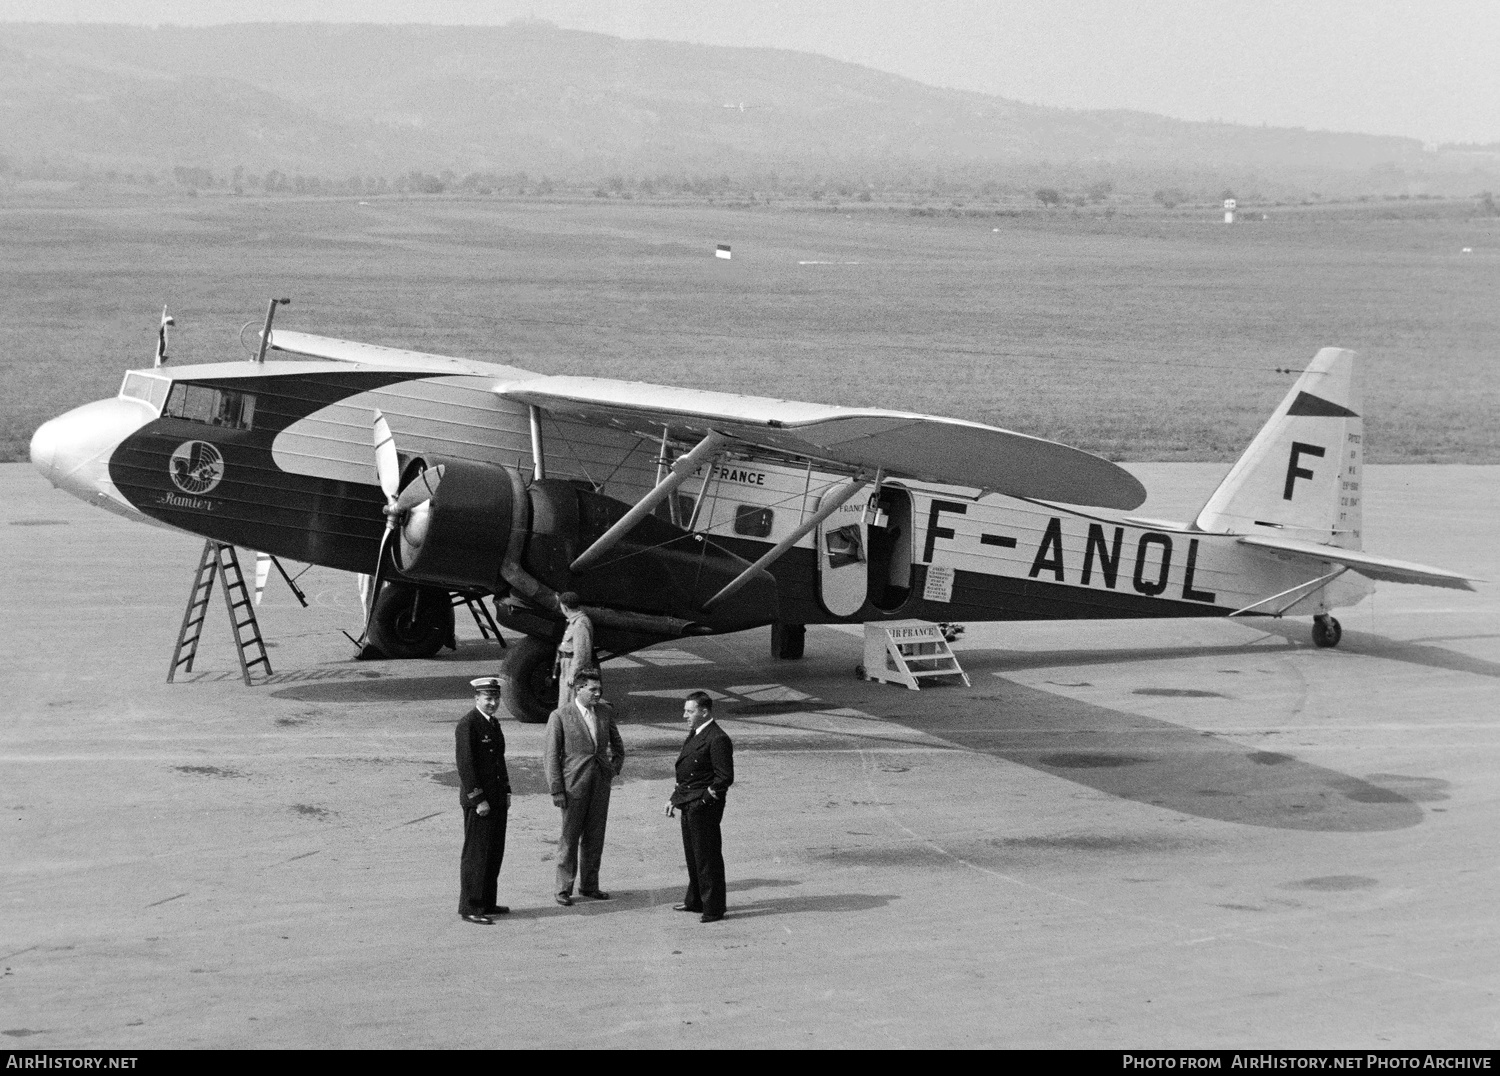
x,y
139,386
211,406
753,522
844,546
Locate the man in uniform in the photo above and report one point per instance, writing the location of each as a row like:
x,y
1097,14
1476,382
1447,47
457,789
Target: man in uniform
x,y
484,792
576,651
705,770
584,753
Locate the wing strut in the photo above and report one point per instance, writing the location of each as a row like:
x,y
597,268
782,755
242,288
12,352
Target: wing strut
x,y
682,469
538,457
1302,590
832,505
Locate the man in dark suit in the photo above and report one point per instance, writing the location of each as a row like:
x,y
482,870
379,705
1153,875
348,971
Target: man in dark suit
x,y
584,753
484,792
705,770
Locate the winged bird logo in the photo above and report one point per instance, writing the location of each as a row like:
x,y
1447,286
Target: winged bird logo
x,y
196,467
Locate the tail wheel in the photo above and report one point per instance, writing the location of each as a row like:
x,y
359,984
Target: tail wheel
x,y
1326,631
530,689
410,621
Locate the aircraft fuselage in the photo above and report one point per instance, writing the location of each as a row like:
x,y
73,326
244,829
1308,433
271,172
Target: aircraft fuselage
x,y
277,457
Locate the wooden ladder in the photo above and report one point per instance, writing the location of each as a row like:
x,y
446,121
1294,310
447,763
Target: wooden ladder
x,y
220,559
488,629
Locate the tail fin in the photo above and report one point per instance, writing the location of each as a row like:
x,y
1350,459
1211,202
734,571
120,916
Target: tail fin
x,y
1301,476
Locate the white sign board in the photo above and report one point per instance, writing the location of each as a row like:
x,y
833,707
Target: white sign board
x,y
939,586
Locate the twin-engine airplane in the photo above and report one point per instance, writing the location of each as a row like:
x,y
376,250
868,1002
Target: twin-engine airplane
x,y
677,512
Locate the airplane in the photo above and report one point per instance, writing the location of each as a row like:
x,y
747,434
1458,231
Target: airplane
x,y
678,512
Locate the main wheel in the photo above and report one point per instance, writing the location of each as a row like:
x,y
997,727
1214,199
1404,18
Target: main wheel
x,y
411,621
1327,631
530,690
788,641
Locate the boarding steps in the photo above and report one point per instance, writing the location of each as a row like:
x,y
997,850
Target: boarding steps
x,y
908,652
220,559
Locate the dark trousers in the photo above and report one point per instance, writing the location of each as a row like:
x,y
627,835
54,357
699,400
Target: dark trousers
x,y
703,847
479,866
581,847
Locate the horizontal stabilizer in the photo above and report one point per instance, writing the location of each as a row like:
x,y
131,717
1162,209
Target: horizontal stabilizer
x,y
1385,569
903,445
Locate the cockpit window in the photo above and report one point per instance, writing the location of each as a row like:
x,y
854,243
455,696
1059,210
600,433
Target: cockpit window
x,y
214,407
139,386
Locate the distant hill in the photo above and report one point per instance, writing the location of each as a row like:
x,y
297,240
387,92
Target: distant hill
x,y
339,100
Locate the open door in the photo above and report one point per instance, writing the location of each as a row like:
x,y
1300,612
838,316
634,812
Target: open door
x,y
889,545
843,571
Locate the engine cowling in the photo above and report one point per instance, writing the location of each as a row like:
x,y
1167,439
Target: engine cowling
x,y
456,521
658,568
465,524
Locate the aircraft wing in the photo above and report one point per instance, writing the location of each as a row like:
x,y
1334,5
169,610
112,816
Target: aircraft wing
x,y
1383,568
905,445
328,347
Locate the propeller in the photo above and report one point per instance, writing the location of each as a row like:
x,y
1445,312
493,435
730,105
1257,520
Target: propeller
x,y
388,469
414,510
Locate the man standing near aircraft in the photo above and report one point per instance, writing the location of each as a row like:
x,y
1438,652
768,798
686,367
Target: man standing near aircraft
x,y
705,770
576,651
584,753
484,792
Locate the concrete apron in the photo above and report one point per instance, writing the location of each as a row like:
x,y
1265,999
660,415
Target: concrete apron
x,y
1164,834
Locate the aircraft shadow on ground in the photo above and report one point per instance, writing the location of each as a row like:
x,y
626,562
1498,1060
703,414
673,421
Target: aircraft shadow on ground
x,y
622,900
1122,754
1157,762
527,776
1414,652
452,686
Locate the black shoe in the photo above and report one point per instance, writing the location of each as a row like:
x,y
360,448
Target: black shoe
x,y
593,894
685,908
482,920
563,899
707,917
497,909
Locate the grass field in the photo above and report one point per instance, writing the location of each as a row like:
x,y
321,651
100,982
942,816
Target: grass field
x,y
1150,337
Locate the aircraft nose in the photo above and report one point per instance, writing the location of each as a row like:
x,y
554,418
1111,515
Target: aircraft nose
x,y
44,446
73,450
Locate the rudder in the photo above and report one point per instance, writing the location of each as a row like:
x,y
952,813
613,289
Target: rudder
x,y
1302,475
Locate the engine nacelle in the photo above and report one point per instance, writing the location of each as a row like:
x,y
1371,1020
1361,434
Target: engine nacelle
x,y
457,518
658,569
465,524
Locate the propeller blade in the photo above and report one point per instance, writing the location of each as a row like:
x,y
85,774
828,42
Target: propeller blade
x,y
387,465
376,582
262,572
421,488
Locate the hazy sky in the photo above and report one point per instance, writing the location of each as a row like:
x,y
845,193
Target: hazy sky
x,y
1428,69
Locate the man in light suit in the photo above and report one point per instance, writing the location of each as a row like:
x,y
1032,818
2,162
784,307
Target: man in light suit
x,y
584,753
705,770
484,793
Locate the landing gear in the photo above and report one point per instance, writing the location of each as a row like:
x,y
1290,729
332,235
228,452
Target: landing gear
x,y
788,641
411,621
529,690
1326,630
